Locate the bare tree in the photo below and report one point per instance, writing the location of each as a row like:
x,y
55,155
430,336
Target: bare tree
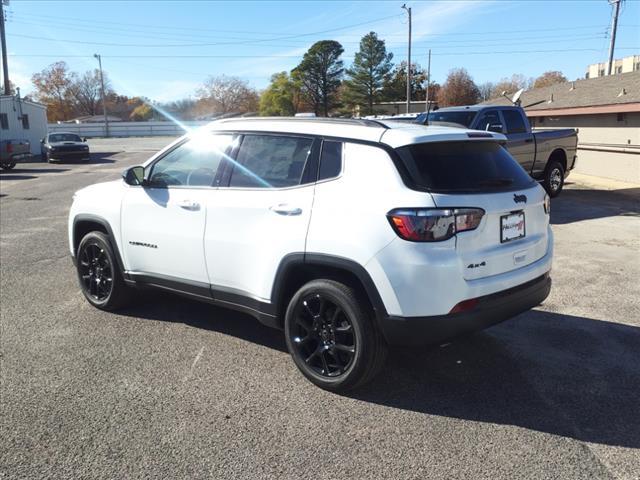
x,y
511,85
486,90
225,94
85,91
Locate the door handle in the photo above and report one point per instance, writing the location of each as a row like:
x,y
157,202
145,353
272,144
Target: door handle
x,y
189,205
285,209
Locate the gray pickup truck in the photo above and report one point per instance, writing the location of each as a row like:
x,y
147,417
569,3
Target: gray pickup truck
x,y
547,155
14,151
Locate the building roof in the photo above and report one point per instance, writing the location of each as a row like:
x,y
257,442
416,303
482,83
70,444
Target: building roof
x,y
609,94
394,134
22,100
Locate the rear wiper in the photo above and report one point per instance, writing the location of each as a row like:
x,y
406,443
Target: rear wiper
x,y
497,182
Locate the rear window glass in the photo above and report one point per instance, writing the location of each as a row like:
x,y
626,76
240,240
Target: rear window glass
x,y
473,166
331,160
462,118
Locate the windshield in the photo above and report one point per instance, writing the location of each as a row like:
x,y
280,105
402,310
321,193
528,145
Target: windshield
x,y
456,118
64,137
463,166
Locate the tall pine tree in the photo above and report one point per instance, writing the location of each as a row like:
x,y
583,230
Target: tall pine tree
x,y
368,73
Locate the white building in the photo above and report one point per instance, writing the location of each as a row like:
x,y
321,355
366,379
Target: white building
x,y
22,120
621,65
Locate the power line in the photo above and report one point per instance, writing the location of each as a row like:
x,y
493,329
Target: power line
x,y
506,52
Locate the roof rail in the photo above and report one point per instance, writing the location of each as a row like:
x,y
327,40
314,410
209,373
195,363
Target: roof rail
x,y
347,121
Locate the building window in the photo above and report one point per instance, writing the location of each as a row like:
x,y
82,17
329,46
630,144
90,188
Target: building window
x,y
601,73
25,121
587,75
636,66
621,117
4,121
541,119
619,69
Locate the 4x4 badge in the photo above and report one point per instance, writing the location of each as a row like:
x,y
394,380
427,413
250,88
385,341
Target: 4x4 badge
x,y
519,198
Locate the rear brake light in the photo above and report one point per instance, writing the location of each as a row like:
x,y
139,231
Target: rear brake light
x,y
433,224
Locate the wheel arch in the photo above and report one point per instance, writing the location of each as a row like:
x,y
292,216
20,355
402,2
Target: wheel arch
x,y
558,155
298,268
85,223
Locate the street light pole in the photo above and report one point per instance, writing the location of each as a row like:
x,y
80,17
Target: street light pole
x,y
104,103
408,9
428,81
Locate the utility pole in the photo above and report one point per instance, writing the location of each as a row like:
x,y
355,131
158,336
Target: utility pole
x,y
3,40
104,103
408,9
614,27
426,104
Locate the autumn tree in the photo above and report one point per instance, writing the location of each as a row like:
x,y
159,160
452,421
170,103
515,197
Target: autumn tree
x,y
225,94
319,74
282,97
370,69
142,113
459,89
53,90
549,78
395,85
182,109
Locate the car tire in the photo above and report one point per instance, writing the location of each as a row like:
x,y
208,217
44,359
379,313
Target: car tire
x,y
332,336
9,166
554,178
99,275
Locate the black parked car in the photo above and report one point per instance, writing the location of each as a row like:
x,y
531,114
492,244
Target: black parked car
x,y
64,146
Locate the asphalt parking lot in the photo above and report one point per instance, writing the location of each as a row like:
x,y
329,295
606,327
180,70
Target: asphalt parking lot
x,y
171,388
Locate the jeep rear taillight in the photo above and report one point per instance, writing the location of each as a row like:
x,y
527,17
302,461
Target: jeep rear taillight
x,y
433,224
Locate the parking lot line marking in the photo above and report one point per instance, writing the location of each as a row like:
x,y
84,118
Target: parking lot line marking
x,y
195,360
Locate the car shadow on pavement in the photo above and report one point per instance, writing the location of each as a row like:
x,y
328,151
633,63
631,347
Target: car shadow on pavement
x,y
167,307
561,374
565,375
574,205
27,173
95,158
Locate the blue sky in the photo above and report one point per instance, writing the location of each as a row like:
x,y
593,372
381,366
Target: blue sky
x,y
165,49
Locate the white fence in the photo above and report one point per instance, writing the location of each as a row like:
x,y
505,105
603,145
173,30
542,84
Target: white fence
x,y
125,129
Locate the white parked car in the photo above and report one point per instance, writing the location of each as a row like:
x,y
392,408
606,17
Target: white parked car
x,y
350,235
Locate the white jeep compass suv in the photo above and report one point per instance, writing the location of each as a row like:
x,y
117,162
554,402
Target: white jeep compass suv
x,y
350,235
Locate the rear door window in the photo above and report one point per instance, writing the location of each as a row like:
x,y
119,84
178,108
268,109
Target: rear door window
x,y
330,160
464,166
270,161
514,121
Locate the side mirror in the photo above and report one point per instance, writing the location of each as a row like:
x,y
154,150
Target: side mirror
x,y
134,175
84,139
494,127
42,141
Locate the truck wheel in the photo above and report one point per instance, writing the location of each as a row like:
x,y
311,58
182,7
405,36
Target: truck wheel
x,y
98,273
332,336
8,166
554,178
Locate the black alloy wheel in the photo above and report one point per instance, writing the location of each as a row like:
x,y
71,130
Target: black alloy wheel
x,y
96,271
332,336
324,336
99,275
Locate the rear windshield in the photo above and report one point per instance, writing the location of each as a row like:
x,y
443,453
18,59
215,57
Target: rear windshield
x,y
461,119
468,166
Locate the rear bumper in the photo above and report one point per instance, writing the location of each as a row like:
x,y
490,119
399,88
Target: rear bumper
x,y
491,309
17,158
